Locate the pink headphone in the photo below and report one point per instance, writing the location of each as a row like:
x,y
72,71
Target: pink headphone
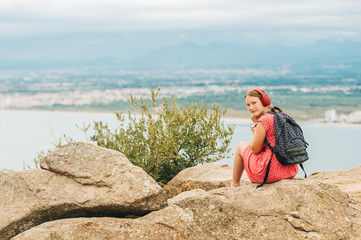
x,y
265,98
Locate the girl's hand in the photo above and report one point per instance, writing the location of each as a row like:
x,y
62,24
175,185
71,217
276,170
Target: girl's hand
x,y
253,127
258,138
254,118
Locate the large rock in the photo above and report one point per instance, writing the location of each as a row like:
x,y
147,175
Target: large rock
x,y
208,176
84,180
348,181
169,223
289,209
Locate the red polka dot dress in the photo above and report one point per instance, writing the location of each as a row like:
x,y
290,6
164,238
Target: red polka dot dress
x,y
256,164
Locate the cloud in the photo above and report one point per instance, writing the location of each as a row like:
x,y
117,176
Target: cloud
x,y
93,28
112,15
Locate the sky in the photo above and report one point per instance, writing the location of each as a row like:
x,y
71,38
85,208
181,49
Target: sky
x,y
83,29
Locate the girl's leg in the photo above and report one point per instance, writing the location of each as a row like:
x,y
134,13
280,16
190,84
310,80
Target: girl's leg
x,y
238,166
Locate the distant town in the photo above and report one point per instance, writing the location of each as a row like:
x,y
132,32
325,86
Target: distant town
x,y
79,98
332,117
309,92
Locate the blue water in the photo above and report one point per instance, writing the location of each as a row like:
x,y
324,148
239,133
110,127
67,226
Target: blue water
x,y
23,134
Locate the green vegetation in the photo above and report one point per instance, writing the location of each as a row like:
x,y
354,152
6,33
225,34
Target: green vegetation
x,y
169,138
163,138
58,144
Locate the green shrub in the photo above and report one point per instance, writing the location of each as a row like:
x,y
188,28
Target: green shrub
x,y
164,139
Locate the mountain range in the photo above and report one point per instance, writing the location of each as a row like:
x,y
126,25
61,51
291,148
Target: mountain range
x,y
188,55
220,55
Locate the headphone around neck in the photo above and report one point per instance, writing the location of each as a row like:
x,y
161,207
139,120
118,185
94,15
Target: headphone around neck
x,y
266,101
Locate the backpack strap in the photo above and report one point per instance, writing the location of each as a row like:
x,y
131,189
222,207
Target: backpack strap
x,y
268,144
275,110
268,165
267,172
301,165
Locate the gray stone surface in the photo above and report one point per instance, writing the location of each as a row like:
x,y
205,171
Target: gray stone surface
x,y
86,192
348,181
208,176
77,180
290,209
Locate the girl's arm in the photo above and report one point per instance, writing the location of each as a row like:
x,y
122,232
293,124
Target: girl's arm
x,y
259,135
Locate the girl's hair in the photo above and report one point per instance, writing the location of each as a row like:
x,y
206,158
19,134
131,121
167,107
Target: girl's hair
x,y
254,93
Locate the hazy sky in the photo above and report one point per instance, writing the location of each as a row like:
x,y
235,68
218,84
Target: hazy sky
x,y
35,27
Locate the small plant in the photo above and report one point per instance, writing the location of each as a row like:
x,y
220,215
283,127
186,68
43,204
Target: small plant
x,y
58,144
163,139
40,155
166,139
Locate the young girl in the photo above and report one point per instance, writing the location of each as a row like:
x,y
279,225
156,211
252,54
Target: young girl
x,y
254,157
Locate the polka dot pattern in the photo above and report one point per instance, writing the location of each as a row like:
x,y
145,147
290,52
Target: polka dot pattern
x,y
256,164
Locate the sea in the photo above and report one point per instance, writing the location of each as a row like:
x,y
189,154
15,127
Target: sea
x,y
23,134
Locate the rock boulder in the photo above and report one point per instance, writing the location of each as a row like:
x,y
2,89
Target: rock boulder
x,y
348,181
208,176
76,180
289,209
169,223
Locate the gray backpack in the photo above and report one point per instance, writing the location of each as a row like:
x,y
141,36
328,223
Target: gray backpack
x,y
290,147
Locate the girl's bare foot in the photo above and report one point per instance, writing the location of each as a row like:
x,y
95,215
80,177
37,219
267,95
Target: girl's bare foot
x,y
235,185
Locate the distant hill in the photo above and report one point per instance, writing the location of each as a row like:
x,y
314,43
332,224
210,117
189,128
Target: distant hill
x,y
187,55
216,54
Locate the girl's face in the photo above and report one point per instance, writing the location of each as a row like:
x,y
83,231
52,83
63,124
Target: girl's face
x,y
255,106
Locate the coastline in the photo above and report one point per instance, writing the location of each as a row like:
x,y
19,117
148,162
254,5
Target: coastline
x,y
231,119
343,124
55,111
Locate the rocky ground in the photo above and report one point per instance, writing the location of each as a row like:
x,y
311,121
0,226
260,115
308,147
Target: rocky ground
x,y
88,192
